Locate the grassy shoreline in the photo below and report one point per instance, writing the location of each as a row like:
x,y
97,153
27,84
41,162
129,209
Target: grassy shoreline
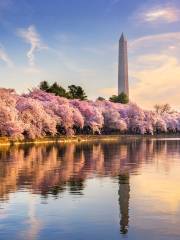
x,y
83,138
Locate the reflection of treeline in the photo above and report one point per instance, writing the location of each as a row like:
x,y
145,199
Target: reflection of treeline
x,y
51,169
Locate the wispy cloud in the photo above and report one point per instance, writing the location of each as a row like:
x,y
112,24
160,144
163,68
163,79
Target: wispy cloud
x,y
156,70
166,13
5,58
159,84
32,37
172,37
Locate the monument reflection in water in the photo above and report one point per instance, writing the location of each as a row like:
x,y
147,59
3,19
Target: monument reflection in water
x,y
56,172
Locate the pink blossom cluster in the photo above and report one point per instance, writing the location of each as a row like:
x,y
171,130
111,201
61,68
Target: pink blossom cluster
x,y
39,114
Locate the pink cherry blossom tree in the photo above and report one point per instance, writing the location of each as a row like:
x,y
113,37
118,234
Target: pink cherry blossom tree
x,y
10,123
37,122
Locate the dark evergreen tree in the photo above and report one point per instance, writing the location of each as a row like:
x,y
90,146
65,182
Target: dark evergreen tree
x,y
76,92
57,90
44,86
101,99
121,98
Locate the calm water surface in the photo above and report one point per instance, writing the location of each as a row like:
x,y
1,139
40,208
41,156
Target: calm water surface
x,y
117,190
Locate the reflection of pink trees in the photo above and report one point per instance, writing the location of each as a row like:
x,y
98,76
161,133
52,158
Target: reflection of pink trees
x,y
54,168
40,114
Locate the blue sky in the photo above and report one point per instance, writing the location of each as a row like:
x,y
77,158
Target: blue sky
x,y
76,42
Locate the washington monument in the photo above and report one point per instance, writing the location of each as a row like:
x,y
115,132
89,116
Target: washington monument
x,y
123,82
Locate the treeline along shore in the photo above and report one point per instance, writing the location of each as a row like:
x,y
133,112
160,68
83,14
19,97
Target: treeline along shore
x,y
41,114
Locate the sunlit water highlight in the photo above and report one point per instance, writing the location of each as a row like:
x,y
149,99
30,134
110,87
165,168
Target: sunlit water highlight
x,y
114,190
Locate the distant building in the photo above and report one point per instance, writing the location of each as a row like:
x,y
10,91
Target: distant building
x,y
123,82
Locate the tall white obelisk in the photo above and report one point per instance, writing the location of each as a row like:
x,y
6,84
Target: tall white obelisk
x,y
123,82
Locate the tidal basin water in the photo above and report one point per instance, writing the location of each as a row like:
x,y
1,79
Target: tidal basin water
x,y
101,190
